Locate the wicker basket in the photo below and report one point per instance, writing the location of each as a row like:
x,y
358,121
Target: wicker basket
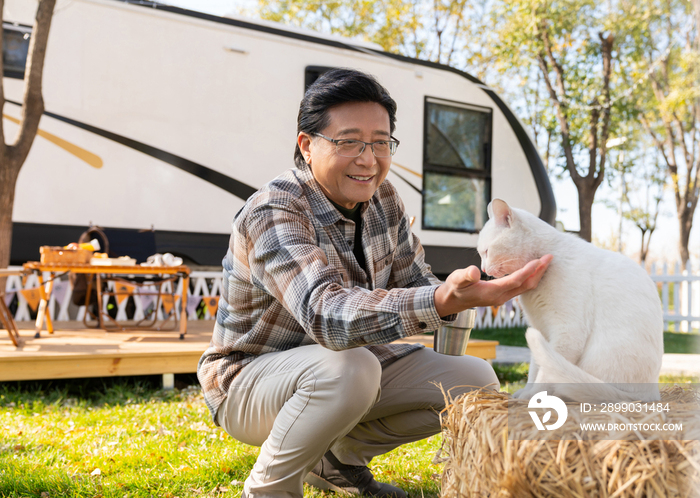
x,y
55,254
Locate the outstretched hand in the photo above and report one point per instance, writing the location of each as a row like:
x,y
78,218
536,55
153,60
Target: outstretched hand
x,y
463,289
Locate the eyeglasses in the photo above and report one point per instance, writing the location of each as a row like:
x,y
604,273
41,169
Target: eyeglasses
x,y
355,148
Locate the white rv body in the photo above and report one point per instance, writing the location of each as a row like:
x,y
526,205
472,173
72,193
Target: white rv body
x,y
137,91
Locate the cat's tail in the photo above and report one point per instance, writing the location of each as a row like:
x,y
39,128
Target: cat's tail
x,y
580,385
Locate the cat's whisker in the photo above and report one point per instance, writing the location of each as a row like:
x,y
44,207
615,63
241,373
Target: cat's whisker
x,y
502,263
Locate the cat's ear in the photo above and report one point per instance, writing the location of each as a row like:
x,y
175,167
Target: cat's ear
x,y
501,213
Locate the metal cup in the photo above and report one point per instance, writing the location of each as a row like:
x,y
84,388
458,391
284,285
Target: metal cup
x,y
452,339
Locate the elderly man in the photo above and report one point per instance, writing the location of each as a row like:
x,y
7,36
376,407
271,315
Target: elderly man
x,y
321,275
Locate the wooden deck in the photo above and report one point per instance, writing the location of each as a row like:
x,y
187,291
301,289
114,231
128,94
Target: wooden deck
x,y
74,351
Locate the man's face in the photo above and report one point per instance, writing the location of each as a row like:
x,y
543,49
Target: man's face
x,y
349,180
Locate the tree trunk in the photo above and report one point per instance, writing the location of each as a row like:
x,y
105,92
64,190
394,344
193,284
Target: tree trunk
x,y
685,223
586,183
8,180
585,209
12,156
645,246
7,199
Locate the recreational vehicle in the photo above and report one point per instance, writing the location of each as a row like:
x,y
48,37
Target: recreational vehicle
x,y
163,119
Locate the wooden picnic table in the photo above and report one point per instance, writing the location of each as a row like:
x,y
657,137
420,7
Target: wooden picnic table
x,y
100,272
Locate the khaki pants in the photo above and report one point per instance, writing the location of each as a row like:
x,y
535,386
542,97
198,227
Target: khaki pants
x,y
300,403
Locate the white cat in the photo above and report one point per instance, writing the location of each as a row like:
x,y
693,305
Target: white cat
x,y
595,316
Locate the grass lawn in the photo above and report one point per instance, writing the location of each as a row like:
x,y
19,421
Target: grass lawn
x,y
681,342
514,376
684,343
514,336
123,437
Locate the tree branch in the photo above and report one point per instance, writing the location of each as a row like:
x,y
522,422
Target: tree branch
x,y
691,187
558,70
33,102
458,23
656,87
559,106
669,160
438,31
693,129
562,107
681,138
658,143
593,141
606,49
670,138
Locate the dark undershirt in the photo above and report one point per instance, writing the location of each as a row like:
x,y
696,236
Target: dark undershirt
x,y
355,215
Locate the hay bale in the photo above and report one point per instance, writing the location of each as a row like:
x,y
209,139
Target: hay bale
x,y
480,460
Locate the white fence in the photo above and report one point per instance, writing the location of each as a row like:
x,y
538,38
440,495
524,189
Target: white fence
x,y
203,287
679,291
680,296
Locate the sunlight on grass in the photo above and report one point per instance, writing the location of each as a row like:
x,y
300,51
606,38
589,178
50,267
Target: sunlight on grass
x,y
679,343
158,445
127,439
514,377
679,379
143,444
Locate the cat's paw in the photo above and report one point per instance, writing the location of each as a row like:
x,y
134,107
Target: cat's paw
x,y
522,393
526,392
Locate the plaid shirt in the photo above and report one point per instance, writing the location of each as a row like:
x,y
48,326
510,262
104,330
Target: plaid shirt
x,y
291,279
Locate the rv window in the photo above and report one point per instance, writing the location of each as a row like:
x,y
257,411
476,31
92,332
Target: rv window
x,y
455,203
15,46
312,73
457,137
456,167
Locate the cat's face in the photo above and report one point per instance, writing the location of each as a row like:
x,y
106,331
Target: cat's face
x,y
502,241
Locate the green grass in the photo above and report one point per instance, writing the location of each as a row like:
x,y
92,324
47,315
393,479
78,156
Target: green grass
x,y
511,372
679,379
514,376
682,343
146,443
514,336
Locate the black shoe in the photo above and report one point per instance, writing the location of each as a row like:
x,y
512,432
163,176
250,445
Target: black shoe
x,y
331,475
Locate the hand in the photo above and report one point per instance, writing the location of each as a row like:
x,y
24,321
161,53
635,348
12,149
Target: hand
x,y
463,289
